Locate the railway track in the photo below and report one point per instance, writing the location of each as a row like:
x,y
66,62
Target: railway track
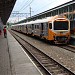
x,y
67,47
48,64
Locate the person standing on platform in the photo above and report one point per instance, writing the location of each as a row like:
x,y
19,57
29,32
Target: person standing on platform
x,y
5,32
0,32
0,29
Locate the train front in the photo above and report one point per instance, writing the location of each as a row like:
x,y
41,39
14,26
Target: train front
x,y
59,32
61,28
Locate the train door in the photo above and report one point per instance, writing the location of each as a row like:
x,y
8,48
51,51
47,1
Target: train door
x,y
32,28
45,29
22,28
41,29
50,33
26,29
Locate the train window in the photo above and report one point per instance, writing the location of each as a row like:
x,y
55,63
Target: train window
x,y
28,26
37,26
42,24
50,25
63,25
32,26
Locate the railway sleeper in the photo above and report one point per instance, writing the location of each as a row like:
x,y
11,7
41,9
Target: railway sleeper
x,y
57,71
49,65
63,74
45,61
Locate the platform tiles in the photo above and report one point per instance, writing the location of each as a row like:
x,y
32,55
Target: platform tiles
x,y
20,62
4,56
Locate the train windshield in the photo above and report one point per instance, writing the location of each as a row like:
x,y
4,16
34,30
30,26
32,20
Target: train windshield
x,y
63,25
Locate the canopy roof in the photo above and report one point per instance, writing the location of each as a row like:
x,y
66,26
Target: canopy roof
x,y
6,7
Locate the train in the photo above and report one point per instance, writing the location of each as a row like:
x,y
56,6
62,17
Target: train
x,y
55,29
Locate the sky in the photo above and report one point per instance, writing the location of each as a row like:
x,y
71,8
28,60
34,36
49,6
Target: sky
x,y
37,6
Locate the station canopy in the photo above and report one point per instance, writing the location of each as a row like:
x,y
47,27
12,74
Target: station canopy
x,y
6,7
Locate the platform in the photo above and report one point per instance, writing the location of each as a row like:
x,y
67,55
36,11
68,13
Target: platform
x,y
4,57
13,59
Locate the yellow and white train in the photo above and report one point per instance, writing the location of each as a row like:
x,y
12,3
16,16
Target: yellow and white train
x,y
55,28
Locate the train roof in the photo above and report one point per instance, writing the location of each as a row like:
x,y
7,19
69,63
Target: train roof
x,y
36,21
47,19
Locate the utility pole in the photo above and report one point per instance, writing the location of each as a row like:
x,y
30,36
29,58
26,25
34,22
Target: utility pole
x,y
30,11
18,16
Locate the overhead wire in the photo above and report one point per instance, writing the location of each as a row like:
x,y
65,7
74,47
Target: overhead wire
x,y
46,5
53,2
26,5
28,2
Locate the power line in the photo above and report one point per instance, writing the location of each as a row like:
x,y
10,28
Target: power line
x,y
23,5
17,14
46,5
20,3
27,5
